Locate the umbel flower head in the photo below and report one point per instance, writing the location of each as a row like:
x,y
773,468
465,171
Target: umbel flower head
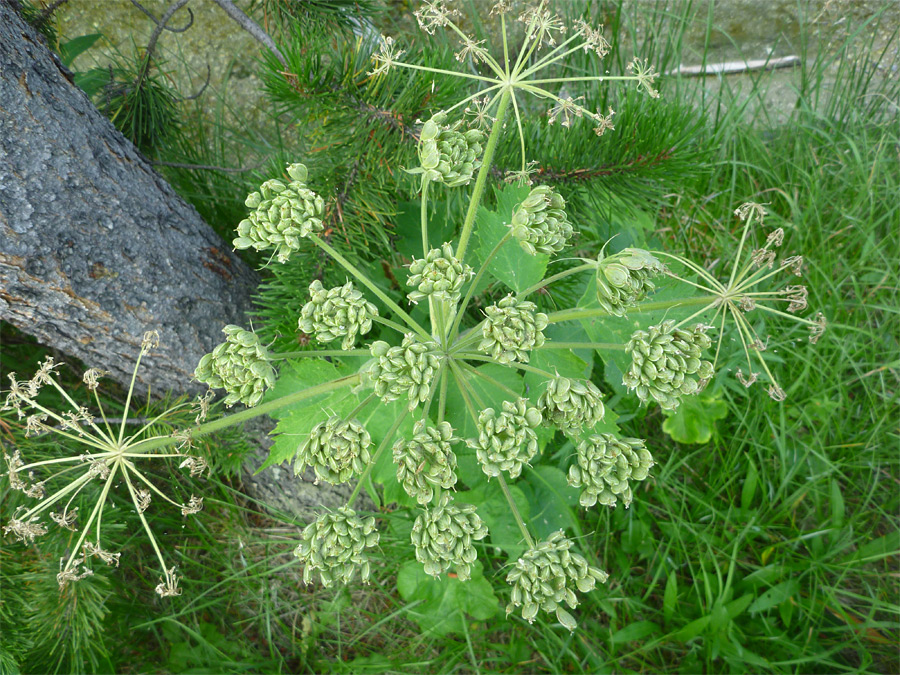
x,y
283,213
439,275
407,370
339,312
540,223
605,467
506,440
666,363
624,279
571,404
448,153
240,365
512,329
426,461
444,536
336,449
546,576
335,544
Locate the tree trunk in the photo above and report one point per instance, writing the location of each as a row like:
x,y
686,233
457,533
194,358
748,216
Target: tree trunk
x,y
95,247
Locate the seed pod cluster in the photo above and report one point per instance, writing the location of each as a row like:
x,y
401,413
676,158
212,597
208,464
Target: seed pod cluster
x,y
512,329
407,370
540,223
426,461
605,467
339,312
283,213
335,544
438,275
336,449
240,365
571,404
449,154
544,578
666,363
624,279
444,536
506,440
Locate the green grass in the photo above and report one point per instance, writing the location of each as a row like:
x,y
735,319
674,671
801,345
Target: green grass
x,y
773,548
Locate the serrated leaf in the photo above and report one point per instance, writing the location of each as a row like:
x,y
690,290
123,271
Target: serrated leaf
x,y
442,604
695,419
551,500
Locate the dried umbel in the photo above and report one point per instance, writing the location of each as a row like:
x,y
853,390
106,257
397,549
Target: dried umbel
x,y
407,370
448,153
625,278
339,312
439,275
426,461
540,223
666,363
606,466
283,213
240,365
506,440
336,449
335,544
571,404
444,536
512,329
545,576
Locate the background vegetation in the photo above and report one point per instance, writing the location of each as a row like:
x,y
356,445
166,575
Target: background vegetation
x,y
772,545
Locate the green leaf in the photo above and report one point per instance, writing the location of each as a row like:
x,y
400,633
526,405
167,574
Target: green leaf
x,y
775,596
551,500
837,505
691,630
670,597
634,632
491,505
512,265
695,419
408,227
72,49
748,491
443,603
487,392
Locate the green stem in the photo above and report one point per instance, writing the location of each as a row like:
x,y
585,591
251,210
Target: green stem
x,y
424,215
442,400
578,313
582,345
317,352
462,308
512,364
483,172
403,330
515,510
372,287
381,446
440,71
556,277
487,378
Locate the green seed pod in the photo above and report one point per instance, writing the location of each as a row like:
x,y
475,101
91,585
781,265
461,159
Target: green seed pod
x,y
336,449
666,363
506,440
443,537
240,365
439,275
571,404
426,461
512,329
544,576
339,312
283,213
335,544
407,370
540,223
606,466
447,153
624,279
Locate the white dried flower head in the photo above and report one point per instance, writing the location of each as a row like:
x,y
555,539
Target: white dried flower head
x,y
35,491
479,111
339,312
386,56
168,584
407,370
448,153
776,393
66,519
593,38
92,377
571,404
439,275
25,530
150,340
763,257
14,466
68,575
747,381
625,278
541,23
335,544
501,7
506,439
426,460
473,49
195,505
547,575
201,406
604,122
540,223
795,262
283,214
747,303
434,14
142,500
606,466
444,536
798,297
512,329
91,549
43,374
99,469
240,365
522,176
196,466
775,238
566,109
336,449
645,75
752,209
666,363
818,329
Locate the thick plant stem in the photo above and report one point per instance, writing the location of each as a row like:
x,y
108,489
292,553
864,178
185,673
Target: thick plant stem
x,y
487,261
578,313
381,446
424,215
483,172
515,511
